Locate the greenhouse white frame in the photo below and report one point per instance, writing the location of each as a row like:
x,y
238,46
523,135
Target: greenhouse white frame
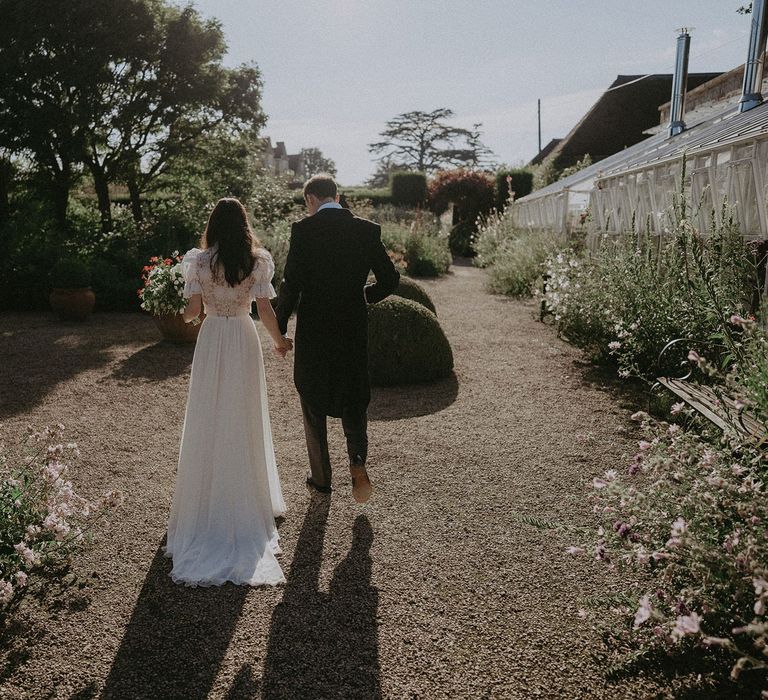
x,y
726,161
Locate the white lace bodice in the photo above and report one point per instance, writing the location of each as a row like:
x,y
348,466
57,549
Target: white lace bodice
x,y
219,298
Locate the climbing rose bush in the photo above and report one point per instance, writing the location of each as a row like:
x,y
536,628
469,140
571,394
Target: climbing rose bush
x,y
43,521
691,518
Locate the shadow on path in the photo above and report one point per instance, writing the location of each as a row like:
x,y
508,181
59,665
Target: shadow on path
x,y
156,362
35,363
324,645
413,400
176,638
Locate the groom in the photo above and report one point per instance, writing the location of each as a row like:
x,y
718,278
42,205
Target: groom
x,y
329,259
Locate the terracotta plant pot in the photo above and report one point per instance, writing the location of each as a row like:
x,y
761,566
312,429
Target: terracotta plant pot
x,y
73,304
175,330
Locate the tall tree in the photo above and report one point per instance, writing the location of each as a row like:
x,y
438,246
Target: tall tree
x,y
117,86
165,97
425,141
315,162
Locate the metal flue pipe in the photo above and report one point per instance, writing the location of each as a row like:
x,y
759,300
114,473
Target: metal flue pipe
x,y
679,84
751,91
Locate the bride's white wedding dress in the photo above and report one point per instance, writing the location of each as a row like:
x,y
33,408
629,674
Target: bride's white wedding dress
x,y
222,522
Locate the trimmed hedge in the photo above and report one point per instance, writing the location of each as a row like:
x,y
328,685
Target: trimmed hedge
x,y
408,289
408,188
406,344
376,196
522,184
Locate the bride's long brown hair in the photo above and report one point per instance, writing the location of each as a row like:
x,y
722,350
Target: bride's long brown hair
x,y
238,247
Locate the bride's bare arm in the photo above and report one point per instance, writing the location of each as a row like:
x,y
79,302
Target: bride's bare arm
x,y
193,308
268,318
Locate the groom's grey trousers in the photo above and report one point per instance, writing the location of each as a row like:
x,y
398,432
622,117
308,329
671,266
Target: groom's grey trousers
x,y
355,424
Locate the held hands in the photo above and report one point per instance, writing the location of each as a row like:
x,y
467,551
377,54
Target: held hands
x,y
283,347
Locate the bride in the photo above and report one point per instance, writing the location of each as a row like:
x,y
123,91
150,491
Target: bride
x,y
227,496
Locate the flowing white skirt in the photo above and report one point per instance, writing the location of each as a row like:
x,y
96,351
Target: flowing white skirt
x,y
227,496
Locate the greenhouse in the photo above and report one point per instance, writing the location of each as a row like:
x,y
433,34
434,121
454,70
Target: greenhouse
x,y
725,161
719,160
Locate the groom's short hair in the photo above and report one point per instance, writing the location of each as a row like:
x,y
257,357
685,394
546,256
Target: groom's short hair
x,y
321,185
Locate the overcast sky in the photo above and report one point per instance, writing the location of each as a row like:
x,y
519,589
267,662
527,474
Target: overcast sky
x,y
335,70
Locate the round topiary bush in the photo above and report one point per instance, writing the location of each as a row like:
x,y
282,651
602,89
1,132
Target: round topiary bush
x,y
406,344
408,289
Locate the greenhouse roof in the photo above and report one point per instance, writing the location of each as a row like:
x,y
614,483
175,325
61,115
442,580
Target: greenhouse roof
x,y
728,126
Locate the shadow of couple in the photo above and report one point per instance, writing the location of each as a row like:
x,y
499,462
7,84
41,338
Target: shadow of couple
x,y
321,644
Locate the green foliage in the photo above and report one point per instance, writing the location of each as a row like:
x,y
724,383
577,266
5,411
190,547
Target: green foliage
x,y
408,289
276,239
70,273
519,262
408,188
625,302
585,162
43,520
419,249
315,162
472,195
406,344
123,102
545,174
384,168
29,247
686,519
377,196
521,185
271,200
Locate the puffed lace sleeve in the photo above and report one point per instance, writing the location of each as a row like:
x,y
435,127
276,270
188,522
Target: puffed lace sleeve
x,y
189,268
262,277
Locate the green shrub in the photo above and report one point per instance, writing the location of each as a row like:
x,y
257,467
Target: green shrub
x,y
115,287
519,262
276,240
70,273
625,302
377,196
408,289
522,184
408,188
420,249
406,344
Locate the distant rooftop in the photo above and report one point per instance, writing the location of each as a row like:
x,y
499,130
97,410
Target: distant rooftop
x,y
620,117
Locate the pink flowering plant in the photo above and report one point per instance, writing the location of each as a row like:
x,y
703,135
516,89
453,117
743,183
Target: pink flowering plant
x,y
163,290
688,518
43,520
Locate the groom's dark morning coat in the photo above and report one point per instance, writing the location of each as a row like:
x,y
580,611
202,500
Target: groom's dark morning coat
x,y
330,257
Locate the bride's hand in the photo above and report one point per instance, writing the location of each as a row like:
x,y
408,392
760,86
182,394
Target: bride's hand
x,y
284,347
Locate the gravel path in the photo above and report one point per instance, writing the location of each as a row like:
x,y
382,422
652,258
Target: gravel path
x,y
433,590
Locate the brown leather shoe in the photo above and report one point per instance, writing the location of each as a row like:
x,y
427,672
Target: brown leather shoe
x,y
362,488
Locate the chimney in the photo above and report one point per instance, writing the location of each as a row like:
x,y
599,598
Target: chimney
x,y
679,84
753,67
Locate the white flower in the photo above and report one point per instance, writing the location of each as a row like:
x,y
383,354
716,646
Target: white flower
x,y
686,624
6,591
30,557
21,579
643,613
614,345
676,408
679,527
